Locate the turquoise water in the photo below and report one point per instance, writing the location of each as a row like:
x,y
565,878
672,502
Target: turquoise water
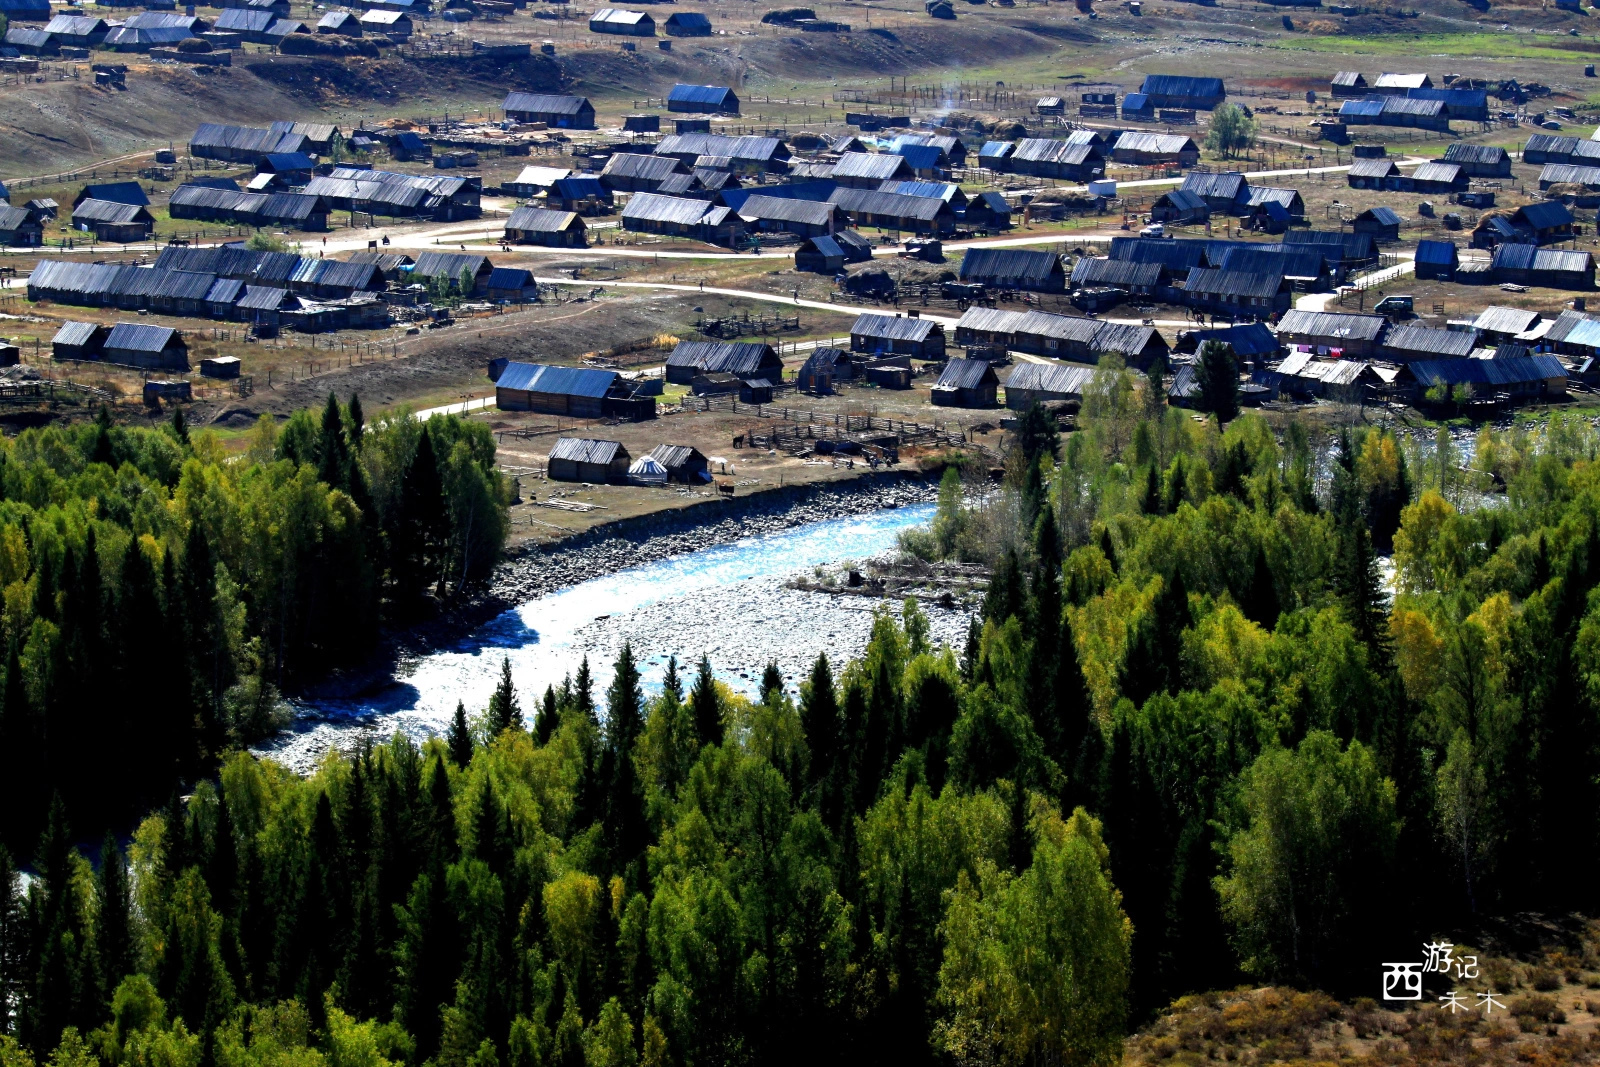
x,y
727,601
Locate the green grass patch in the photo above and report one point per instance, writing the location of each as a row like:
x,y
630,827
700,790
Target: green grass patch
x,y
1465,45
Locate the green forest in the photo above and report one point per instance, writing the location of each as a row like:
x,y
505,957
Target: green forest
x,y
1192,740
158,591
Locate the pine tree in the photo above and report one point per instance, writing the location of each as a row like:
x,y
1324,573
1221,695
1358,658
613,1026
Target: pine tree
x,y
100,450
180,428
626,831
583,690
548,717
1218,378
504,711
819,718
670,682
704,705
771,681
113,920
333,456
13,942
460,739
355,422
1151,504
420,540
1261,599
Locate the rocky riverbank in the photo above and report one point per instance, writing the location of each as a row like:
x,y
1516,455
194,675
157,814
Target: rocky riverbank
x,y
628,543
631,542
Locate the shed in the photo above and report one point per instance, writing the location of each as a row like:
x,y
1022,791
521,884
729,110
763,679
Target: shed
x,y
139,344
1179,91
1500,325
1381,222
108,221
557,111
114,193
1382,173
1530,265
1437,260
586,196
819,255
1259,294
869,170
1042,383
1479,160
341,23
582,459
536,226
1014,268
224,367
895,211
1228,192
615,20
1139,279
79,340
1180,207
688,24
1524,378
1354,335
967,383
1150,149
535,181
451,268
19,228
26,10
682,217
808,218
823,367
1402,344
746,359
683,463
918,338
1435,177
1348,83
1045,158
641,124
389,23
576,391
703,99
515,285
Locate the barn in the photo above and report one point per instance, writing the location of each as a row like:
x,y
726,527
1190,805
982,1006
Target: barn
x,y
683,463
79,340
1381,222
967,383
576,391
1437,260
1151,149
1479,160
564,112
583,459
1525,377
746,359
1042,383
110,221
555,229
702,99
918,338
1549,267
1179,91
1014,268
615,20
819,255
689,24
1180,207
138,344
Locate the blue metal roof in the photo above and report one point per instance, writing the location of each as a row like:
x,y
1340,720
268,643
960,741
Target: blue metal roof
x,y
1442,253
1513,371
1135,102
140,337
920,156
1179,85
570,381
1371,107
701,94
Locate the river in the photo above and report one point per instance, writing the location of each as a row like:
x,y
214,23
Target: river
x,y
727,601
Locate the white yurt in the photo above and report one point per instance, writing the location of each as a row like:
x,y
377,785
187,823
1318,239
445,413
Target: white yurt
x,y
646,471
